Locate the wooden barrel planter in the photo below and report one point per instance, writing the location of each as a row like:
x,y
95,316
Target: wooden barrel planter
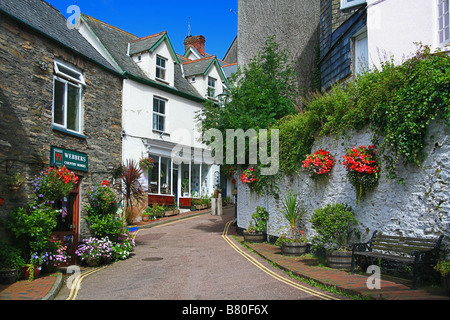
x,y
293,248
339,259
257,237
8,276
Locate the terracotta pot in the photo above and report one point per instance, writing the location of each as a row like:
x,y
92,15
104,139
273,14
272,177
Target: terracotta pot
x,y
145,218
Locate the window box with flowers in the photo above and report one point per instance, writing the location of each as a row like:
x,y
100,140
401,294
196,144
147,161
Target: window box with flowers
x,y
362,169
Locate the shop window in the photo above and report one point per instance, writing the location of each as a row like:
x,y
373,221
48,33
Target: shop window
x,y
160,177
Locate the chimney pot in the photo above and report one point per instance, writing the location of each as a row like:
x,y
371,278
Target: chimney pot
x,y
197,42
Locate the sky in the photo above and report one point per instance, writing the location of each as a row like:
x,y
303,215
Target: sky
x,y
216,20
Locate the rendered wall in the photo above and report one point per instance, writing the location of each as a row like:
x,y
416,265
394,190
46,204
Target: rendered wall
x,y
420,207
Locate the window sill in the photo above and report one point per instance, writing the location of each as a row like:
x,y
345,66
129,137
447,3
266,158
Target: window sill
x,y
163,81
68,132
161,133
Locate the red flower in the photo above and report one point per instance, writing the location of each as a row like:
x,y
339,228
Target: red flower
x,y
2,202
105,183
318,163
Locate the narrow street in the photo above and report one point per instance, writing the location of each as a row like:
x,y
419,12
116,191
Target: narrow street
x,y
191,259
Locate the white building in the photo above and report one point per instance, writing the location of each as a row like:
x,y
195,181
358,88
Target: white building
x,y
162,93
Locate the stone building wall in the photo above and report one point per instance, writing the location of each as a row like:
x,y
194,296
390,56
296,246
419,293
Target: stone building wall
x,y
295,25
419,208
26,97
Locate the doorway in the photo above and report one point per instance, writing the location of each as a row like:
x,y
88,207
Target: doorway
x,y
67,228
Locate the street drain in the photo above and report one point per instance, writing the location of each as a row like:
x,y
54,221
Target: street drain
x,y
152,259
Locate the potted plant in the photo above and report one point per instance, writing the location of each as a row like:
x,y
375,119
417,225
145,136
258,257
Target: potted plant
x,y
443,267
146,214
11,263
334,225
15,181
293,247
257,228
32,270
292,212
185,187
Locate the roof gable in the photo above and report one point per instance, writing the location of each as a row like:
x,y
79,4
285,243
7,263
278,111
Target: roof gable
x,y
150,43
47,20
202,67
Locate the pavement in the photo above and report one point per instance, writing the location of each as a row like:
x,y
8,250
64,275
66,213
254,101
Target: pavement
x,y
46,287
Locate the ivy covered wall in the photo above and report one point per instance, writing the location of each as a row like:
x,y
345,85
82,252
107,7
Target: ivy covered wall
x,y
418,207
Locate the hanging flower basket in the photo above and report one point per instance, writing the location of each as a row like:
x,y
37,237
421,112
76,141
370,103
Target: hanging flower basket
x,y
146,163
54,184
249,176
362,168
318,164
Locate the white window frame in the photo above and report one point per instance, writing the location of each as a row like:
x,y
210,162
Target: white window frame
x,y
162,69
345,4
159,114
358,67
211,92
440,24
67,76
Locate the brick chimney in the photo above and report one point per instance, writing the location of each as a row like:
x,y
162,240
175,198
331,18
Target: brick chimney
x,y
198,42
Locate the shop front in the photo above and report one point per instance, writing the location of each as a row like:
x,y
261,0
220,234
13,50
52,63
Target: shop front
x,y
176,184
68,222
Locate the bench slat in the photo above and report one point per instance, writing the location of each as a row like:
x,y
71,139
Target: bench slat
x,y
384,256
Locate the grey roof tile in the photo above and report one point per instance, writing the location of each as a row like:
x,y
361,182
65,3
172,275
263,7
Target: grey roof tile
x,y
41,16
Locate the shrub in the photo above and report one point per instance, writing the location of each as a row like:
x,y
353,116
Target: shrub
x,y
260,218
334,225
32,227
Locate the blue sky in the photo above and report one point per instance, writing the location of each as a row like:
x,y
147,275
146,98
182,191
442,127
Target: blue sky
x,y
216,20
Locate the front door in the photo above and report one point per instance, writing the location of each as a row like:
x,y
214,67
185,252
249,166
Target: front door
x,y
68,222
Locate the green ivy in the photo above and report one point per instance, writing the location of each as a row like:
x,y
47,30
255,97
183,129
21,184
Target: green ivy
x,y
397,102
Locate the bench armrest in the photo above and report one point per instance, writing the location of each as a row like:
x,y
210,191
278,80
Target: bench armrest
x,y
361,247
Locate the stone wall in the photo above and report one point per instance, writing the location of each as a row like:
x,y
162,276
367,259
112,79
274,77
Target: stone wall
x,y
419,208
295,25
26,95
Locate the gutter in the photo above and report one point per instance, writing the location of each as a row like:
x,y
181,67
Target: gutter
x,y
165,88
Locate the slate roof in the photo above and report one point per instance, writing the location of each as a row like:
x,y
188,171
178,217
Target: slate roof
x,y
144,44
116,43
46,19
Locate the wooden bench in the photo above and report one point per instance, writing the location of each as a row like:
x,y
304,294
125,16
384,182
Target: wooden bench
x,y
417,252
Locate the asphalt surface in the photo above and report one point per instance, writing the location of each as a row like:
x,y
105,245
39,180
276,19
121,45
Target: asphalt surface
x,y
191,259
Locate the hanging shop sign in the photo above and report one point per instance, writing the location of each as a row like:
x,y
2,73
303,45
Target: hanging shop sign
x,y
73,160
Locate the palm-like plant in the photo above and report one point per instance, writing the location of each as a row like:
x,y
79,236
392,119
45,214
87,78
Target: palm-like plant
x,y
131,188
292,212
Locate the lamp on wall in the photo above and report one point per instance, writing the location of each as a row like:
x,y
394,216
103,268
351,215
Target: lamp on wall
x,y
43,65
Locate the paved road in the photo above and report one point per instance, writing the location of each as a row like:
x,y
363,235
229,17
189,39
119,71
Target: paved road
x,y
191,259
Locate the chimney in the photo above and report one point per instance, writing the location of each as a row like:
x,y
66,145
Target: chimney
x,y
198,42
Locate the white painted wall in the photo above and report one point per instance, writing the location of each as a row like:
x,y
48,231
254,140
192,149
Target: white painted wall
x,y
419,208
394,25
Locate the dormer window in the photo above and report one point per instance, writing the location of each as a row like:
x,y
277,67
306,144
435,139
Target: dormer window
x,y
161,67
211,87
